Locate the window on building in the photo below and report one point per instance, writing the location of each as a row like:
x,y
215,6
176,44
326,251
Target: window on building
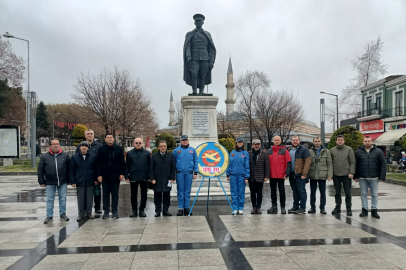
x,y
369,105
379,102
398,103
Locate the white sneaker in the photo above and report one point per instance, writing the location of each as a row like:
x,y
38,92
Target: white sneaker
x,y
241,212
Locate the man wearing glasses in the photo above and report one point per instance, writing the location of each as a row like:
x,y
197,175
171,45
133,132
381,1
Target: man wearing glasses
x,y
53,174
186,170
137,174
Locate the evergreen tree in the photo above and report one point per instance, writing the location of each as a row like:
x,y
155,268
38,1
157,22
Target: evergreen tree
x,y
43,126
353,138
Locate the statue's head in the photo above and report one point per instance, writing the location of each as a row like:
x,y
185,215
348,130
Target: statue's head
x,y
199,20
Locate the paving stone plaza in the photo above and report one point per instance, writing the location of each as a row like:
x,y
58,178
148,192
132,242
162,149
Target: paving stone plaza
x,y
206,240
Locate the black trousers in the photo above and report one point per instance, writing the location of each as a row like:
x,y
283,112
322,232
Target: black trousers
x,y
158,201
256,193
110,187
346,182
134,193
97,197
85,198
313,189
281,186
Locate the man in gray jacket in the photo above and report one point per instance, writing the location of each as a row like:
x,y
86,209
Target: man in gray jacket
x,y
343,171
321,169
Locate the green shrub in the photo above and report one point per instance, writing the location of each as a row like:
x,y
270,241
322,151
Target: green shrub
x,y
228,143
225,136
170,140
78,134
353,138
154,150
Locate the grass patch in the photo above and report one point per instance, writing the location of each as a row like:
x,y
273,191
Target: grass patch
x,y
19,166
396,176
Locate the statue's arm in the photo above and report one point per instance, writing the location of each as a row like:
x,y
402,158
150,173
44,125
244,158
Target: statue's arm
x,y
188,44
212,51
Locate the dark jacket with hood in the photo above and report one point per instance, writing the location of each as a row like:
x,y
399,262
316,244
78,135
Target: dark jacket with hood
x,y
138,165
83,172
259,168
370,165
53,168
302,160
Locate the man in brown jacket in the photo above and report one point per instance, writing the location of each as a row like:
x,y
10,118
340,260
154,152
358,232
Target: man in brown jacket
x,y
259,172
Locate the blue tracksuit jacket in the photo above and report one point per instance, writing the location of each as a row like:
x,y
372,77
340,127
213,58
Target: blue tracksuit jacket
x,y
186,160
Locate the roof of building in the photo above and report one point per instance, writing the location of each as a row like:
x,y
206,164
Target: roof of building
x,y
230,67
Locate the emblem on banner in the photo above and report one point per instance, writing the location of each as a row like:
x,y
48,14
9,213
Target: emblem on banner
x,y
213,159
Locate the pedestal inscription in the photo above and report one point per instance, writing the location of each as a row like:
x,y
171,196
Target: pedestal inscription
x,y
200,123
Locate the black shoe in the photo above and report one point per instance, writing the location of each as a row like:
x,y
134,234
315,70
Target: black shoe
x,y
364,213
157,214
254,211
311,211
336,211
300,211
106,215
259,212
142,213
180,212
97,210
115,215
186,212
134,214
292,210
374,213
273,210
283,210
79,219
64,217
90,216
48,220
166,214
349,212
323,211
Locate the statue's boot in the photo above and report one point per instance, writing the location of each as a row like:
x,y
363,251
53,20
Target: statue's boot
x,y
194,85
202,82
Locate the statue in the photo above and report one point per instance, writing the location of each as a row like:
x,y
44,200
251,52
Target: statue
x,y
199,54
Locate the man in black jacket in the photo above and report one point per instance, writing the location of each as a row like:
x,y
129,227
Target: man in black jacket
x,y
53,174
137,173
162,176
93,147
111,171
83,172
370,169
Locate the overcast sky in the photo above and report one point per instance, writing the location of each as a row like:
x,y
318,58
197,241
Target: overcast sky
x,y
304,46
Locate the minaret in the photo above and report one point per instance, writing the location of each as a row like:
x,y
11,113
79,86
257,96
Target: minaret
x,y
230,101
171,112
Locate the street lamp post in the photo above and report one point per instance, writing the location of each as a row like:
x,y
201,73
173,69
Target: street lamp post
x,y
53,124
322,92
28,107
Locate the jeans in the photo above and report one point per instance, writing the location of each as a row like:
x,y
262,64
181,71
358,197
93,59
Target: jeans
x,y
372,184
237,188
273,182
134,193
256,193
158,201
298,186
110,187
184,186
313,189
62,192
346,182
85,199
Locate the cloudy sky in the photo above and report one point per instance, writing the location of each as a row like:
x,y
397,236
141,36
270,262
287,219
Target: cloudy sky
x,y
304,46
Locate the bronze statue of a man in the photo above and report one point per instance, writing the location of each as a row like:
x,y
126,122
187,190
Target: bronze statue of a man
x,y
199,54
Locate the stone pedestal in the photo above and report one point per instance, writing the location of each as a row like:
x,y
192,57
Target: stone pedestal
x,y
200,119
7,162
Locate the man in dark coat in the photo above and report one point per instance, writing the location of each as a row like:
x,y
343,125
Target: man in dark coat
x,y
199,54
53,174
163,171
83,173
112,170
137,173
259,172
93,147
370,169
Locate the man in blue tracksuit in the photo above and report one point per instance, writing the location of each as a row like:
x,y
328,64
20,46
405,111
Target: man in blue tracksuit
x,y
238,172
187,167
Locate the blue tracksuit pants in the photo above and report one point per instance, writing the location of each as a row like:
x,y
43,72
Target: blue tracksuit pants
x,y
184,184
237,186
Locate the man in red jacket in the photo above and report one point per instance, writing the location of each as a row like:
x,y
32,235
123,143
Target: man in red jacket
x,y
280,166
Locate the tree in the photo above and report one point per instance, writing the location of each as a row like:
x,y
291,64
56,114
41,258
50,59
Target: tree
x,y
168,138
225,136
43,127
11,66
353,138
369,68
12,104
247,87
78,134
228,143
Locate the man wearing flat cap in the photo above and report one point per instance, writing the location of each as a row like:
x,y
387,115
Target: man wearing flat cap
x,y
199,54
